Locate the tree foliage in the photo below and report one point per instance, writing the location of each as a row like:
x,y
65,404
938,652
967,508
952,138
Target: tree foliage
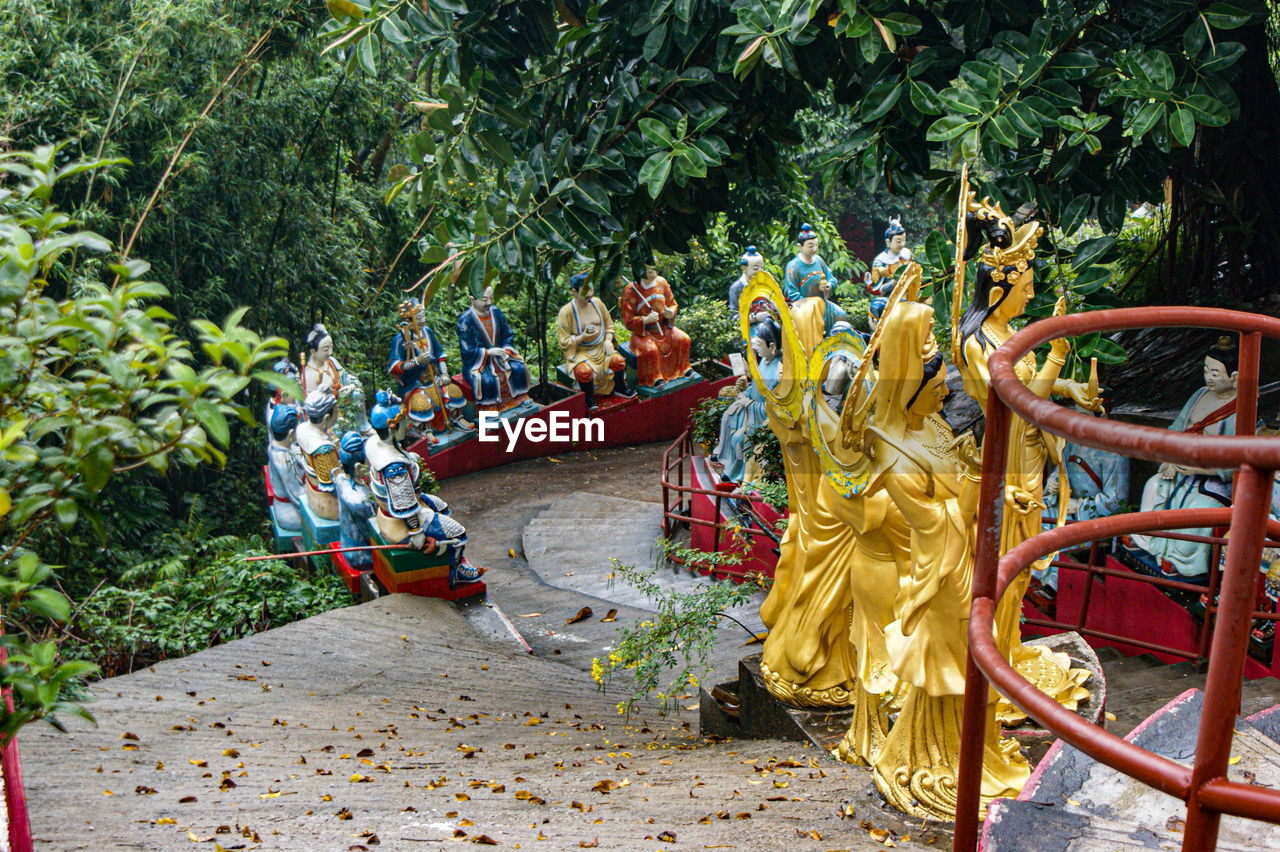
x,y
93,384
615,124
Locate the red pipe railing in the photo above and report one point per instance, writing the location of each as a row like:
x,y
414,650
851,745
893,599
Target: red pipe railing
x,y
672,515
1203,786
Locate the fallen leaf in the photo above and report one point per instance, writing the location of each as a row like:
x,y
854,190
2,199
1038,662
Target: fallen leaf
x,y
582,615
589,844
461,797
230,752
612,615
669,836
757,638
166,821
196,762
529,615
1233,760
606,786
186,800
1111,717
144,791
484,840
533,720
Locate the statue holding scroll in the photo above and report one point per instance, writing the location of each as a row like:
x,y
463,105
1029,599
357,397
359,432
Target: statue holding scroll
x,y
417,359
585,332
491,364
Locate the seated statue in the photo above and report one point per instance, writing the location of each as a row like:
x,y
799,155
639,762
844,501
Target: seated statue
x,y
1211,410
418,361
316,452
751,262
491,364
883,274
749,409
649,311
1098,483
404,513
355,501
807,274
585,331
320,369
282,472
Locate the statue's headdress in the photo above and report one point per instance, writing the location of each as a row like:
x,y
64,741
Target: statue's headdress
x,y
1008,244
895,228
284,419
319,404
748,254
576,281
387,410
351,448
806,233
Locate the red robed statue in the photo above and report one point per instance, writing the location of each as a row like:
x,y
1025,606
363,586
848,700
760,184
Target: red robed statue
x,y
649,311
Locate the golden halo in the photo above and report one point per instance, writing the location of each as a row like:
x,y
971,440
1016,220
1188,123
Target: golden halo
x,y
846,469
788,405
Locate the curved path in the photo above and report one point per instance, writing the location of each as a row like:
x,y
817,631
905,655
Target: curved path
x,y
408,724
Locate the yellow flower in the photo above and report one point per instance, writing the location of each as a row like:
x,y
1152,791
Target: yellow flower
x,y
597,671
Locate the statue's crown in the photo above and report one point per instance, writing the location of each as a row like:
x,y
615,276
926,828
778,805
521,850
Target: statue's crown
x,y
1008,244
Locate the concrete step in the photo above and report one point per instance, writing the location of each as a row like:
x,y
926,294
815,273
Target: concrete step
x,y
1075,803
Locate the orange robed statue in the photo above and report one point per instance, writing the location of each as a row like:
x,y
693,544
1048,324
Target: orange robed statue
x,y
649,311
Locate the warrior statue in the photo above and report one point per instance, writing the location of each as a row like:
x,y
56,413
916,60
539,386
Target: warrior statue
x,y
404,513
807,274
883,274
355,501
316,452
585,331
418,361
285,478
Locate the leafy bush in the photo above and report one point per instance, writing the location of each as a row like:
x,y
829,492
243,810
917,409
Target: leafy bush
x,y
91,385
704,420
763,444
710,327
209,595
670,652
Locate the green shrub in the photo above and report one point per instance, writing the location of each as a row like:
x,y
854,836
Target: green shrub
x,y
710,328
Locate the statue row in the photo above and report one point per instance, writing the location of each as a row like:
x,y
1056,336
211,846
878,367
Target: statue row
x,y
312,468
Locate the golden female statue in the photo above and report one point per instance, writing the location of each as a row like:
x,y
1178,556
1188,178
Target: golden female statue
x,y
1004,285
807,659
933,481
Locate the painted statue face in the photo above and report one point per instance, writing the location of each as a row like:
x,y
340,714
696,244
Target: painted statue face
x,y
323,351
650,273
929,400
420,316
896,243
483,303
584,293
754,264
1022,292
1216,377
765,350
810,246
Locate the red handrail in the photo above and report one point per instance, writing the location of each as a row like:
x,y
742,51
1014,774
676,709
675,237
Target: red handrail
x,y
1203,786
683,448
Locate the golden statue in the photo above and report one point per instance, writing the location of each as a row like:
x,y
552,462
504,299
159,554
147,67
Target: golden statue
x,y
932,478
1004,285
807,659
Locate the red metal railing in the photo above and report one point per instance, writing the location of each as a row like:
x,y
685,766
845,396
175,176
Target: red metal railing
x,y
1203,786
678,458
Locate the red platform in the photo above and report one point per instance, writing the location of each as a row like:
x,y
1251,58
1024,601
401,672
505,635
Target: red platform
x,y
429,582
756,549
1122,607
626,422
347,573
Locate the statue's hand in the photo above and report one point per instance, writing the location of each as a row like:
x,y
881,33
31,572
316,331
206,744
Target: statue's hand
x,y
1167,471
668,312
651,317
1021,501
1059,347
1080,396
968,453
442,380
1060,307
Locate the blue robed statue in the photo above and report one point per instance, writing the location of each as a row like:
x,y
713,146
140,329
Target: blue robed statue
x,y
491,364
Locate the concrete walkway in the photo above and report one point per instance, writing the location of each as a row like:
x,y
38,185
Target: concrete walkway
x,y
398,721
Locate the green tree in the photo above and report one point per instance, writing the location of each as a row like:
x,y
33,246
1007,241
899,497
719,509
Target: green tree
x,y
92,384
617,124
